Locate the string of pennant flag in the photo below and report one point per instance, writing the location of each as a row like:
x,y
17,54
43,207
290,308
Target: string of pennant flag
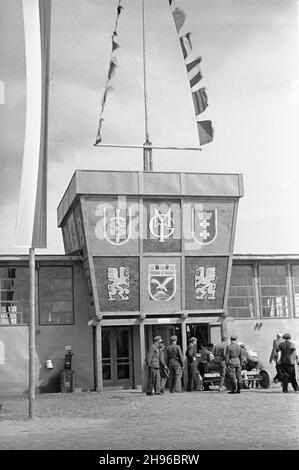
x,y
199,94
113,62
193,68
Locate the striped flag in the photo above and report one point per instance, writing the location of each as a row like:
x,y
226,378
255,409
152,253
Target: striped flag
x,y
31,226
200,100
186,45
194,72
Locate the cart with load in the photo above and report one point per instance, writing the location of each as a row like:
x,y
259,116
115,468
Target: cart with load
x,y
253,373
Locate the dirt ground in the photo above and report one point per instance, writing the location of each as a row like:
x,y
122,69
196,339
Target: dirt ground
x,y
255,419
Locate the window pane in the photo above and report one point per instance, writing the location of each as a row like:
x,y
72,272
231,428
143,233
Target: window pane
x,y
123,371
295,276
122,346
14,295
241,300
274,292
56,295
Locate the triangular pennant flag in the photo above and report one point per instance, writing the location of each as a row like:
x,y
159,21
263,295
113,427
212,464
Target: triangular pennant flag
x,y
185,45
99,137
112,68
115,45
179,17
205,132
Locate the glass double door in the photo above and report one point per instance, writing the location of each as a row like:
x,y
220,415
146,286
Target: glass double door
x,y
117,362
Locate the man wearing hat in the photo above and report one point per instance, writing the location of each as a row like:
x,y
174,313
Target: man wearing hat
x,y
193,374
233,361
153,360
288,357
274,356
175,365
219,354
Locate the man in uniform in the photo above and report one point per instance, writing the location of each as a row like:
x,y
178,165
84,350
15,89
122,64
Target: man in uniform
x,y
175,365
164,372
288,357
233,361
193,374
274,357
153,361
219,355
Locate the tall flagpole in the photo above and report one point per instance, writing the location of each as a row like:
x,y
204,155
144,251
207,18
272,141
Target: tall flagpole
x,y
31,394
147,146
31,218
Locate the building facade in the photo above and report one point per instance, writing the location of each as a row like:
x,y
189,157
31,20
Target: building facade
x,y
146,254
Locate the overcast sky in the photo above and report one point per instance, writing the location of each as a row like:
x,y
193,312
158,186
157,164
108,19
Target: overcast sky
x,y
249,52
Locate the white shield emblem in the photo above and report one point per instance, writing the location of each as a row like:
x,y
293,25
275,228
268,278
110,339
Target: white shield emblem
x,y
161,281
205,283
118,283
117,225
162,225
204,225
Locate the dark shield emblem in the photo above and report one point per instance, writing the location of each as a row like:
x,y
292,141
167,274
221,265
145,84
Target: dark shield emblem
x,y
161,281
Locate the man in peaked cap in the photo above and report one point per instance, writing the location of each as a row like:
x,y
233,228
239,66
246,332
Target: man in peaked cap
x,y
153,361
274,357
175,365
233,361
288,358
220,353
194,378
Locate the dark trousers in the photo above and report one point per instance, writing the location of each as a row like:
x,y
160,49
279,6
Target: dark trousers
x,y
278,373
153,380
288,375
175,378
222,370
235,376
193,377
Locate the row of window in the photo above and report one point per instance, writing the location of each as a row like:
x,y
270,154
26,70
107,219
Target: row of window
x,y
55,295
270,286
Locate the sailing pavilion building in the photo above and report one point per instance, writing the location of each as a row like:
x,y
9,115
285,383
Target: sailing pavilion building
x,y
147,253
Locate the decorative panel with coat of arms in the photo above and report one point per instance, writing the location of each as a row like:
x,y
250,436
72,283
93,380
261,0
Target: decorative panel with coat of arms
x,y
161,226
205,279
207,225
161,284
117,283
112,225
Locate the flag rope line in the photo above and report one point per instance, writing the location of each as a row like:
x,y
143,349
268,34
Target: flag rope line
x,y
111,72
199,95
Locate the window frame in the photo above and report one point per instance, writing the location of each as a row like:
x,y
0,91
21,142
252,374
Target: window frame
x,y
288,294
293,285
39,267
15,266
256,303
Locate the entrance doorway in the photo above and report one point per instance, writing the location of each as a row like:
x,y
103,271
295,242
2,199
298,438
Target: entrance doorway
x,y
199,331
165,331
205,333
117,357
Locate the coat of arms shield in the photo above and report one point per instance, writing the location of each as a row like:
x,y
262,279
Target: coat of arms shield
x,y
162,281
117,225
204,225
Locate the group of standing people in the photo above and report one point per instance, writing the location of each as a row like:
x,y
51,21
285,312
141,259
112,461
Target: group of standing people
x,y
163,364
285,357
168,364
